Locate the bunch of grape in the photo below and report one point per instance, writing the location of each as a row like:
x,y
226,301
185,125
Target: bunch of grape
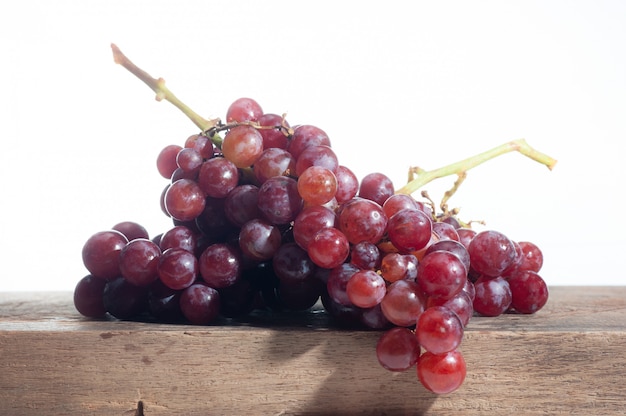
x,y
267,217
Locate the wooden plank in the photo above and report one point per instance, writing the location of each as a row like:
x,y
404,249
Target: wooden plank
x,y
566,359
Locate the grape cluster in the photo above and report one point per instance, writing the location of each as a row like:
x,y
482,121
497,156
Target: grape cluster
x,y
267,218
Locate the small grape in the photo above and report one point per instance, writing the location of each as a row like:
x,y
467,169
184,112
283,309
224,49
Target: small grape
x,y
259,240
217,177
491,252
329,248
200,304
184,200
131,230
244,109
366,289
397,349
403,303
101,253
362,220
493,296
88,297
177,268
441,373
242,145
306,135
317,185
439,330
139,260
376,187
166,160
220,265
279,200
529,292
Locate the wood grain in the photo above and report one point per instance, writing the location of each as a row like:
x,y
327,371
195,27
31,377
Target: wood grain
x,y
567,359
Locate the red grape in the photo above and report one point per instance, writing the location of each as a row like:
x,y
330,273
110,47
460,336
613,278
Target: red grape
x,y
243,109
397,349
441,373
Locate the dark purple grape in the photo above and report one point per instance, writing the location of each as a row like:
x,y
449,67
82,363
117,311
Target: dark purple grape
x,y
200,304
88,297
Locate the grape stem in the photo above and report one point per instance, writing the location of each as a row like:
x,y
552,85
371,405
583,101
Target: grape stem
x,y
162,92
419,177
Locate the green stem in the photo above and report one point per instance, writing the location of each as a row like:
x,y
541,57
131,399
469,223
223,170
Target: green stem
x,y
419,177
162,92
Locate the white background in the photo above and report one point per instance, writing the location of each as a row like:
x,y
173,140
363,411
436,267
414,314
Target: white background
x,y
407,83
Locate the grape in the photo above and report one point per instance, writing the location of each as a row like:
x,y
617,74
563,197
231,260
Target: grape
x,y
279,200
441,274
164,303
317,185
347,184
329,248
441,373
338,281
189,160
403,303
217,177
304,136
529,291
274,162
242,145
366,289
299,296
362,220
123,300
493,296
201,144
200,304
259,240
220,265
139,260
292,264
445,231
465,235
311,220
273,138
397,349
376,187
166,160
460,304
88,297
374,318
131,230
101,253
453,247
439,330
530,259
213,223
393,267
184,200
365,255
491,252
398,202
243,109
241,204
316,155
409,230
177,268
178,236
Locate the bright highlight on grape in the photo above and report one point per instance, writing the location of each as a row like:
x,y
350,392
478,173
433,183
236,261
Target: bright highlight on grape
x,y
265,217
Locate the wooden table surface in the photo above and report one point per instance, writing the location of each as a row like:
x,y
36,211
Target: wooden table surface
x,y
567,359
